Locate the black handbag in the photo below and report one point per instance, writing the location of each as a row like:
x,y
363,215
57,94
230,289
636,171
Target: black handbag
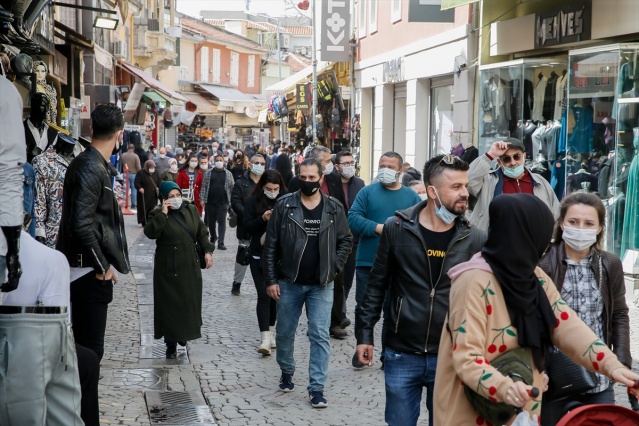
x,y
243,256
567,378
201,255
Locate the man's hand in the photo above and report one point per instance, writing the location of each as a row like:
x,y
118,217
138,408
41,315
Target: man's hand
x,y
141,190
498,149
273,291
108,276
379,228
209,260
365,354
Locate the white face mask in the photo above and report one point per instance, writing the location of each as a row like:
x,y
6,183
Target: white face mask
x,y
173,168
424,197
176,203
328,169
219,164
193,164
271,195
579,239
204,166
387,176
348,171
162,155
257,169
151,170
181,162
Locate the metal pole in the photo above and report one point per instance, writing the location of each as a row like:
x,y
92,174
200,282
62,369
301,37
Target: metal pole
x,y
279,73
314,61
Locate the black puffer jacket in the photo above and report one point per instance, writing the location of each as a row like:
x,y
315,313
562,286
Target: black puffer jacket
x,y
242,190
92,228
286,238
616,322
418,307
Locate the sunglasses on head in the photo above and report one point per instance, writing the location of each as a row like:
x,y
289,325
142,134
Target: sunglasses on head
x,y
507,158
449,159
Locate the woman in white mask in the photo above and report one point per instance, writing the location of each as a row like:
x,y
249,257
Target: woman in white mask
x,y
591,282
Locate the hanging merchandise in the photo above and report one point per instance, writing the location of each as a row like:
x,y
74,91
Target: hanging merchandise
x,y
299,119
168,118
325,90
280,107
347,128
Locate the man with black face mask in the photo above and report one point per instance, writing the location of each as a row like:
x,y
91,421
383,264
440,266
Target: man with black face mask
x,y
38,134
307,245
92,230
416,249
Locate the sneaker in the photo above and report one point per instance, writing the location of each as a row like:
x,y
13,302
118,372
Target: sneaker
x,y
221,246
338,332
356,363
286,382
317,399
345,323
235,291
171,352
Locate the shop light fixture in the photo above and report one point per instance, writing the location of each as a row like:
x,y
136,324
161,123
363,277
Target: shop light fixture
x,y
105,23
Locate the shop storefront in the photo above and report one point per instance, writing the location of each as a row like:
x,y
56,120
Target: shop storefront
x,y
575,108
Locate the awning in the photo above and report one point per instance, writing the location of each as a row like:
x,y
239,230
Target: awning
x,y
289,82
154,83
103,57
232,98
204,106
153,97
449,4
73,37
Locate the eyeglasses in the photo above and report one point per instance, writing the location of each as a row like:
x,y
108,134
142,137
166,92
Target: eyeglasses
x,y
350,163
257,163
507,158
449,159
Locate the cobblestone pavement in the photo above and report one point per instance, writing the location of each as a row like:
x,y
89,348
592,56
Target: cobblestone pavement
x,y
239,385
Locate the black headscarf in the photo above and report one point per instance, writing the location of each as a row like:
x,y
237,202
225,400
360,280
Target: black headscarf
x,y
519,233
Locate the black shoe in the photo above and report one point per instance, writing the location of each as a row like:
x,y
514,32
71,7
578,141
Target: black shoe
x,y
221,246
171,352
317,399
345,323
286,382
338,332
182,343
356,363
235,291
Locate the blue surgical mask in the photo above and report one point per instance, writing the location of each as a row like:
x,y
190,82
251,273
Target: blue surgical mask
x,y
387,176
443,213
514,172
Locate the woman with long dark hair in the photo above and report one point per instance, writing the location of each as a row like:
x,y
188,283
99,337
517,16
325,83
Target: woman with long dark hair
x,y
591,282
189,180
284,166
257,213
239,164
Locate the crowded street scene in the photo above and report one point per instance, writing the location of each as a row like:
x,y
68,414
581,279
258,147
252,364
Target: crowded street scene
x,y
319,212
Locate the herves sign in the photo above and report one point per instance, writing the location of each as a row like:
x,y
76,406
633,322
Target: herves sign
x,y
568,24
334,27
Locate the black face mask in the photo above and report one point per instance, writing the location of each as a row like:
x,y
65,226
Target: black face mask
x,y
309,188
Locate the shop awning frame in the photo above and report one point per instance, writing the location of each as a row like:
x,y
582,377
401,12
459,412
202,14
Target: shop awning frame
x,y
154,84
204,106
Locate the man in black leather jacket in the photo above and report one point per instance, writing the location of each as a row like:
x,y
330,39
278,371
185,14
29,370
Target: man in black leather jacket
x,y
417,248
92,230
307,244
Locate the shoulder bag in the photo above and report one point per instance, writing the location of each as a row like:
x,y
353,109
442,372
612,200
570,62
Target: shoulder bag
x,y
243,256
198,248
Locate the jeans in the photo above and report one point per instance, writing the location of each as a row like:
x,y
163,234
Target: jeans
x,y
361,284
240,270
405,375
90,300
318,301
553,411
266,308
134,192
216,214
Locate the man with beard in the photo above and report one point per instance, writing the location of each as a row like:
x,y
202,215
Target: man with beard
x,y
416,249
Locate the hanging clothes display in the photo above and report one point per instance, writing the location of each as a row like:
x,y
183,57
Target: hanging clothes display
x,y
536,140
560,95
630,237
539,94
549,96
624,84
558,178
581,137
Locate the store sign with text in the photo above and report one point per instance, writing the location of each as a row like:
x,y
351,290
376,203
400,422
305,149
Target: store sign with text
x,y
394,70
568,24
302,99
334,29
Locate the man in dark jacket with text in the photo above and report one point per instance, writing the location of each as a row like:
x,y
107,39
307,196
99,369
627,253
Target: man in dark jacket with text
x,y
307,244
417,248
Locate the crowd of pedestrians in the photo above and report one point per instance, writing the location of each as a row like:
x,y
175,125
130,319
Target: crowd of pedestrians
x,y
460,291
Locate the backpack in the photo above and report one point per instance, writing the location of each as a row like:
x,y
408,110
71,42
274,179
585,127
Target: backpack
x,y
280,107
325,90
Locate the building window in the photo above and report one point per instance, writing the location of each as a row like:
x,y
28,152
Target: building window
x,y
235,69
216,65
204,64
361,25
442,136
372,16
396,10
251,71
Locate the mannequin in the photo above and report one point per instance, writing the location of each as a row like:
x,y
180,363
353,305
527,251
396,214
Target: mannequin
x,y
41,71
22,65
50,169
38,134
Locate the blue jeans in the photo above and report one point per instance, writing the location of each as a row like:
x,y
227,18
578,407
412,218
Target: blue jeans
x,y
405,375
361,284
134,192
318,301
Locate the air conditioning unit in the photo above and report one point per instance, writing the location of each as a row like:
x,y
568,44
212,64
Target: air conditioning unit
x,y
285,41
119,49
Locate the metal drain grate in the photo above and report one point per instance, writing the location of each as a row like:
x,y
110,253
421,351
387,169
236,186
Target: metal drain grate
x,y
178,408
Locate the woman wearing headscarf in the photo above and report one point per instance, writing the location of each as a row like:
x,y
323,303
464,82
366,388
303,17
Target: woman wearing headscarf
x,y
501,301
147,183
171,173
257,213
591,282
177,278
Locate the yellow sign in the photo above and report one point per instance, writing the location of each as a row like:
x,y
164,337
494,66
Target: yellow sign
x,y
206,133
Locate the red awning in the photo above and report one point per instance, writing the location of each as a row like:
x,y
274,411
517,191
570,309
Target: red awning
x,y
152,82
